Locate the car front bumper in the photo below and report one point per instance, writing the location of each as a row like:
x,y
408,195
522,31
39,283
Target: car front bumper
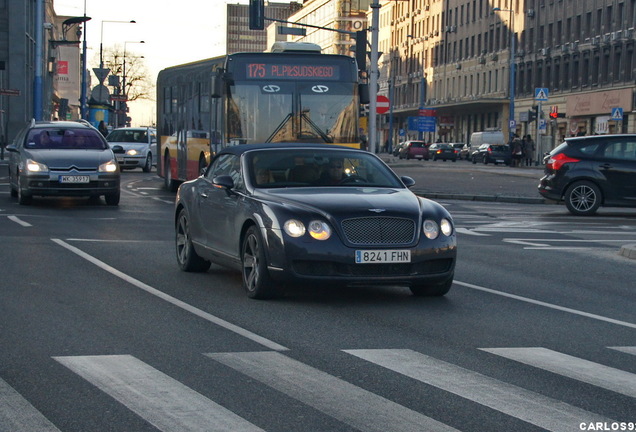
x,y
50,185
331,261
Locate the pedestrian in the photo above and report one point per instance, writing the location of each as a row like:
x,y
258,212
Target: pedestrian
x,y
528,152
516,151
102,128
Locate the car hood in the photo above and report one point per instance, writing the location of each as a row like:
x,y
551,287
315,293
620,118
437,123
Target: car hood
x,y
87,159
347,202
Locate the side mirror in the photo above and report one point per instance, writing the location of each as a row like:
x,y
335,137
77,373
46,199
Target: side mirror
x,y
117,149
408,181
12,148
223,182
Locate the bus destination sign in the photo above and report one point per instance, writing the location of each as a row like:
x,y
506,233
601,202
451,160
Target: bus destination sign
x,y
292,71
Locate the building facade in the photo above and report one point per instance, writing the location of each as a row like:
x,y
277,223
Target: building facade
x,y
455,57
239,38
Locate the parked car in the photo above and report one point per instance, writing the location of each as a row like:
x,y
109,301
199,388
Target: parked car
x,y
492,153
140,147
62,159
311,213
442,151
465,152
458,148
397,148
477,139
593,171
414,150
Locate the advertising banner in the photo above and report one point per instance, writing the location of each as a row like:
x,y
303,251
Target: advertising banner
x,y
67,73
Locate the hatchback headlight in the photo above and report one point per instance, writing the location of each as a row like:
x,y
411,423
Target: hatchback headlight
x,y
132,152
33,167
109,167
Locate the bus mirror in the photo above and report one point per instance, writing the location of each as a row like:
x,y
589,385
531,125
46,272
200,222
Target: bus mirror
x,y
216,86
363,91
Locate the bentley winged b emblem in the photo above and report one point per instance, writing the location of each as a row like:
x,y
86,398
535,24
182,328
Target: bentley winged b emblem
x,y
377,210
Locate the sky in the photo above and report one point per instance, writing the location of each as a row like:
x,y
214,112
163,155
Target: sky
x,y
174,32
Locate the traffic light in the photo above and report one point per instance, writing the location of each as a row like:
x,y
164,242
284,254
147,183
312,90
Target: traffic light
x,y
257,14
533,114
554,112
361,49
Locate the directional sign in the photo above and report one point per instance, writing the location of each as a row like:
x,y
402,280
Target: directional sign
x,y
617,114
383,104
541,94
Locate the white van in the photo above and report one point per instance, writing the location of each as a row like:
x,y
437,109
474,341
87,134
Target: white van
x,y
487,137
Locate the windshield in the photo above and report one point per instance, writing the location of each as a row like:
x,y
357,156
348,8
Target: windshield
x,y
273,168
128,136
276,111
66,139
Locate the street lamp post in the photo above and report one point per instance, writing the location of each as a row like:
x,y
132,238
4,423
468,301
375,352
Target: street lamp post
x,y
124,103
101,39
511,27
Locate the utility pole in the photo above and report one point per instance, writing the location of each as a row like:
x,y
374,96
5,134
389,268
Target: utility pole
x,y
373,75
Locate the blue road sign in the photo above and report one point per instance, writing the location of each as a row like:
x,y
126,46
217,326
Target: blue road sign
x,y
541,94
617,113
422,124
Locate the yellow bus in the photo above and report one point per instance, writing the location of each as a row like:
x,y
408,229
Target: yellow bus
x,y
292,94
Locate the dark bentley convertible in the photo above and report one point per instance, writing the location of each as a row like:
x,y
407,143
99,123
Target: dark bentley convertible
x,y
307,213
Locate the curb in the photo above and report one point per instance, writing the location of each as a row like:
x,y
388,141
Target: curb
x,y
483,198
628,251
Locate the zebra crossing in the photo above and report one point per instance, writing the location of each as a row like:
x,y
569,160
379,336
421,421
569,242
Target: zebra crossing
x,y
169,405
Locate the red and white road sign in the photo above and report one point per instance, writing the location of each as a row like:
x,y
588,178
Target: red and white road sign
x,y
382,104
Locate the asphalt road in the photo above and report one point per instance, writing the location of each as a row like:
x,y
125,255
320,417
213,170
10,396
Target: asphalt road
x,y
100,330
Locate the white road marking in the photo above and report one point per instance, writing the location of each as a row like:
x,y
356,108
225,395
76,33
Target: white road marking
x,y
19,221
547,413
176,302
545,304
339,399
606,377
161,400
628,350
17,414
470,232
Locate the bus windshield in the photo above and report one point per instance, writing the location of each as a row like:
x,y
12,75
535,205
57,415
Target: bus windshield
x,y
283,111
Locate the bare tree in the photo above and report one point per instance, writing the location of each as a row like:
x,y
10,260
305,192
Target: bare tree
x,y
135,78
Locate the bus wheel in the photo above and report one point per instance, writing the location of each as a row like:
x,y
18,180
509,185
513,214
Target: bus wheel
x,y
168,182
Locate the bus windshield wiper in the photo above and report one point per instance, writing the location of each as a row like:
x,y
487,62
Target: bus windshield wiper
x,y
280,126
316,128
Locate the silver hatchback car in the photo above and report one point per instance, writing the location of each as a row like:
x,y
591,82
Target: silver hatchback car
x,y
140,147
62,158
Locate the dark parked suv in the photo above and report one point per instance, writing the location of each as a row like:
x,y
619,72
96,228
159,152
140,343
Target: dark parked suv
x,y
492,153
588,172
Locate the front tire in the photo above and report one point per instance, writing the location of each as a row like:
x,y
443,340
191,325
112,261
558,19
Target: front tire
x,y
256,279
113,198
187,257
583,198
23,199
148,165
432,290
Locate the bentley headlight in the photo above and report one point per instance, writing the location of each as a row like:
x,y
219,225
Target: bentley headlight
x,y
35,167
294,228
319,230
446,226
109,167
431,229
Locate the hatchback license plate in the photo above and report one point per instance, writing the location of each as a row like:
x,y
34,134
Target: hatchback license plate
x,y
74,179
383,256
